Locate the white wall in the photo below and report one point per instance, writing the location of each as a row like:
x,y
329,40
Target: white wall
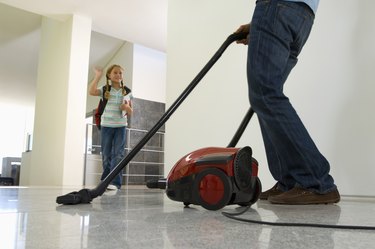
x,y
149,74
331,87
59,127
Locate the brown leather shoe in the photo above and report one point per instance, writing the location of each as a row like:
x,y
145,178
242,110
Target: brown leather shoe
x,y
271,192
300,196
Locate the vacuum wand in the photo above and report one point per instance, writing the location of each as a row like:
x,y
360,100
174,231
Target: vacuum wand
x,y
86,195
241,128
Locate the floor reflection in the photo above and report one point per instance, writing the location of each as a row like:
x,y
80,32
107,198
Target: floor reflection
x,y
142,218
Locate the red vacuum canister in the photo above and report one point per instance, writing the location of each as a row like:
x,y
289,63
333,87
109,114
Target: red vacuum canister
x,y
214,177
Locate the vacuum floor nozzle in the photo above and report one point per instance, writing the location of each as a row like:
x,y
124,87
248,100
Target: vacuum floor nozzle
x,y
73,198
157,183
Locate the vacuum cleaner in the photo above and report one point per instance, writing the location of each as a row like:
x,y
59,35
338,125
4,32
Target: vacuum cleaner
x,y
214,177
233,171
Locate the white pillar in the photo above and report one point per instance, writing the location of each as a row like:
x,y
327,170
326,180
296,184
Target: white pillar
x,y
59,128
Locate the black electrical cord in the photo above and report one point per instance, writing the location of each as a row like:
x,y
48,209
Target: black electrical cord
x,y
234,216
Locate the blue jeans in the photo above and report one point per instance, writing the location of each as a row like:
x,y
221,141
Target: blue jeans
x,y
113,150
279,30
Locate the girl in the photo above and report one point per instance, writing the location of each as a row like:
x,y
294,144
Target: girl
x,y
113,119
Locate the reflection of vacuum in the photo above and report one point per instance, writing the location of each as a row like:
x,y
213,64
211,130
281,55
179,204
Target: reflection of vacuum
x,y
217,166
214,177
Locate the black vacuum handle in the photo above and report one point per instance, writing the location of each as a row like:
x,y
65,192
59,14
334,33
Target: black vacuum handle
x,y
241,128
99,190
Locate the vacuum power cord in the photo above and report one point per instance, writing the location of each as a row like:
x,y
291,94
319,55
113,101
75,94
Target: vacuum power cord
x,y
234,216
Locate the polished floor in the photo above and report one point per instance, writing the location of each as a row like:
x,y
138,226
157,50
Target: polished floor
x,y
136,217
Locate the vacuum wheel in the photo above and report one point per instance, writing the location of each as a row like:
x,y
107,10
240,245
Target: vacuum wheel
x,y
212,189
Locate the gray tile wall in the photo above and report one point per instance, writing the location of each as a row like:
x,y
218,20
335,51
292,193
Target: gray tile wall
x,y
149,162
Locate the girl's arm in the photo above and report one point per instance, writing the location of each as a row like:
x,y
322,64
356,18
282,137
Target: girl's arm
x,y
93,88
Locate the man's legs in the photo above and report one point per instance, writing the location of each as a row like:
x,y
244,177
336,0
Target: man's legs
x,y
278,33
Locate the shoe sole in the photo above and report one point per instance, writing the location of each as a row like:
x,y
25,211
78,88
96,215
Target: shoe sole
x,y
312,202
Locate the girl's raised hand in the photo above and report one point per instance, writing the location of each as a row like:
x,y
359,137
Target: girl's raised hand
x,y
98,71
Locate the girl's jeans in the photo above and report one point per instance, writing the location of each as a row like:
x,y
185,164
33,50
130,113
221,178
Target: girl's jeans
x,y
279,29
113,150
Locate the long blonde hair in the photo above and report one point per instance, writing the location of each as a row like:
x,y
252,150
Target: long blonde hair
x,y
109,70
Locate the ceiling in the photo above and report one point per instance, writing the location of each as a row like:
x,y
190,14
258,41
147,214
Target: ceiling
x,y
113,23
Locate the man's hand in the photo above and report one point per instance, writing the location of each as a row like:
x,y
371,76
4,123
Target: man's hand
x,y
245,29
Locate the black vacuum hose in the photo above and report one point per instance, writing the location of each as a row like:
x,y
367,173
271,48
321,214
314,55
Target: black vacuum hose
x,y
86,195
